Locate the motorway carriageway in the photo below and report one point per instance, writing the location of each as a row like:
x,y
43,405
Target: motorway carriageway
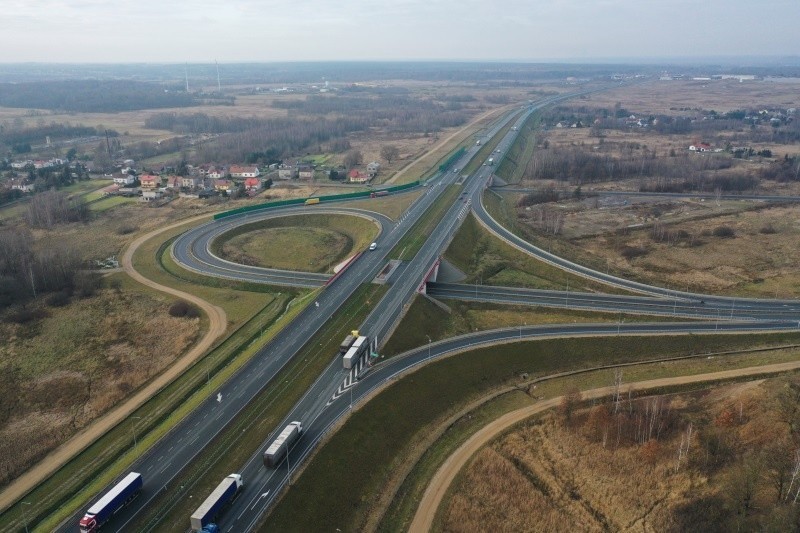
x,y
163,462
702,307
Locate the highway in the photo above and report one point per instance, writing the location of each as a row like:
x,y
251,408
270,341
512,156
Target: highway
x,y
327,400
162,463
675,195
701,307
192,250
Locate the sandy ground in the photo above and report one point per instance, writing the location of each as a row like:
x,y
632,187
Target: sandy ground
x,y
218,323
424,517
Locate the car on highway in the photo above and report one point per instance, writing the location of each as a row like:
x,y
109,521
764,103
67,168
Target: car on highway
x,y
373,246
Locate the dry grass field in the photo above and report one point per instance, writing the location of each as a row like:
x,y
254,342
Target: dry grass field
x,y
582,471
75,362
614,233
664,97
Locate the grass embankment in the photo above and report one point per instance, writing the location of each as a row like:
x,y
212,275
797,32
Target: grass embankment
x,y
312,243
488,260
377,444
487,150
152,260
512,168
426,319
412,241
392,206
246,433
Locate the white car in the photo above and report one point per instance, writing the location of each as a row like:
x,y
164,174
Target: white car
x,y
373,246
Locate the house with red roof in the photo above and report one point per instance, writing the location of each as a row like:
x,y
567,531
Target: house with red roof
x,y
355,176
252,184
150,181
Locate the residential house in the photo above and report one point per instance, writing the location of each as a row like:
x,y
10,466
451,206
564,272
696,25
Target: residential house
x,y
222,185
373,169
237,171
190,182
216,173
124,179
111,189
355,176
150,181
252,184
174,182
151,195
286,172
700,147
22,185
305,172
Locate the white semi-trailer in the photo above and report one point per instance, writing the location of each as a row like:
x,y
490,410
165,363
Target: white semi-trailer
x,y
355,352
224,493
277,450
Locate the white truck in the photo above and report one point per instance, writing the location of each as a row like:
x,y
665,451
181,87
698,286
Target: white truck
x,y
277,450
222,496
355,352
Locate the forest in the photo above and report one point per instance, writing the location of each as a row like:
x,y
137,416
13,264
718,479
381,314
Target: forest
x,y
91,96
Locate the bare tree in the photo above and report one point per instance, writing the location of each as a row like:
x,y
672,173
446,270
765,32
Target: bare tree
x,y
568,404
615,398
390,152
353,158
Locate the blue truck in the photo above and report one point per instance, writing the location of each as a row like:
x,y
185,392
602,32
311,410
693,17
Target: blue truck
x,y
112,501
202,519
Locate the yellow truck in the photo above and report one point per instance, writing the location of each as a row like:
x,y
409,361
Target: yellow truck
x,y
312,201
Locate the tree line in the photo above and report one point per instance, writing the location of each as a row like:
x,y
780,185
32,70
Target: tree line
x,y
396,112
91,96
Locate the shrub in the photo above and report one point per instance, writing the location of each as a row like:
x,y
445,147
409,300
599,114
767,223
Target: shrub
x,y
23,315
182,308
632,252
58,299
725,232
768,229
126,229
86,283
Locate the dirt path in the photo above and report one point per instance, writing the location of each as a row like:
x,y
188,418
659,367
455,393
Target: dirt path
x,y
444,142
434,494
218,323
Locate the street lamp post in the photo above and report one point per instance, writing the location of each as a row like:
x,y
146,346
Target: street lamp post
x,y
135,442
429,347
25,515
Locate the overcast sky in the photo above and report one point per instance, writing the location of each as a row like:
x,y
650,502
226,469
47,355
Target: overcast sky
x,y
289,30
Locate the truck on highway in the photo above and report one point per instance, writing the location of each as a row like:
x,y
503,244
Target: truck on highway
x,y
312,201
280,446
490,161
346,344
376,194
352,356
203,518
112,501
